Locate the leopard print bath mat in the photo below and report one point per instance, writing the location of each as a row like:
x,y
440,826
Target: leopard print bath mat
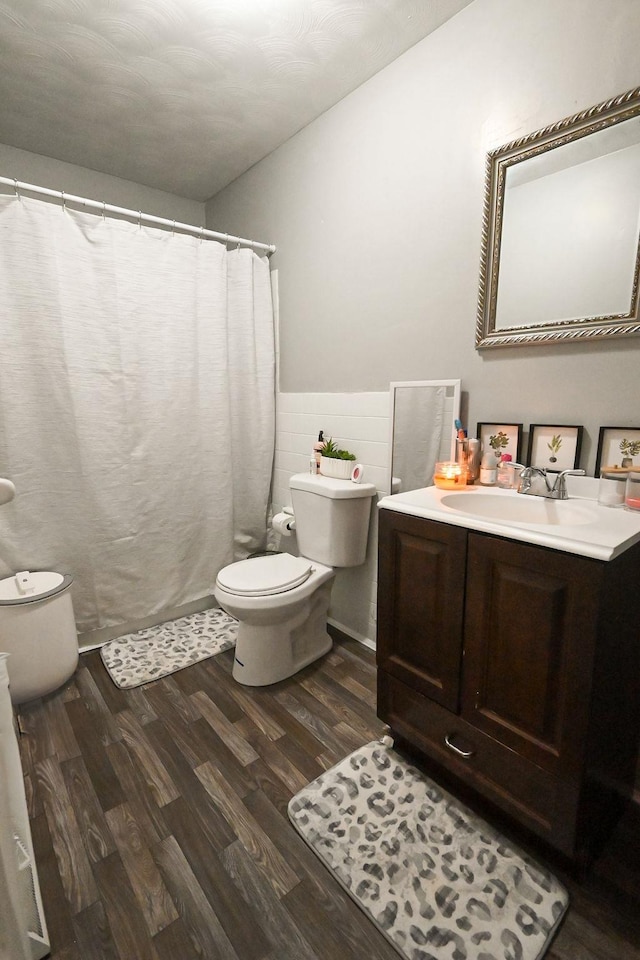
x,y
150,654
440,883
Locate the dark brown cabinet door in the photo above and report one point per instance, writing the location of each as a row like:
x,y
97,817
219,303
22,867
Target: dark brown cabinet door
x,y
420,604
530,631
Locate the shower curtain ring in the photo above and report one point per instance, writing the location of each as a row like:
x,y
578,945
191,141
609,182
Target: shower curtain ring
x,y
64,202
139,219
201,234
16,189
104,210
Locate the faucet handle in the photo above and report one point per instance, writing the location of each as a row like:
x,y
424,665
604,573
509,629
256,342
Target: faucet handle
x,y
518,473
527,476
559,490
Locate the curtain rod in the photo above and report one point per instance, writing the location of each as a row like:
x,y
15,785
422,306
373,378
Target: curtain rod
x,y
18,185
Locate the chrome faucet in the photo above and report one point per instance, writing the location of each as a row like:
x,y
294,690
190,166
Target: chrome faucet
x,y
553,491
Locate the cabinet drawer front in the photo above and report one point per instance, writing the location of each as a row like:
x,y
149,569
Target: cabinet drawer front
x,y
514,784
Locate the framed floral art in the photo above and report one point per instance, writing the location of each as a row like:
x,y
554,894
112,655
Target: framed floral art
x,y
618,447
554,447
501,438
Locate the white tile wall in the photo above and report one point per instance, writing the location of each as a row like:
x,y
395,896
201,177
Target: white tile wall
x,y
358,422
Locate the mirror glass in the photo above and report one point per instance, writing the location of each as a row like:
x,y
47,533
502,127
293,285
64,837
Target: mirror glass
x,y
562,229
422,419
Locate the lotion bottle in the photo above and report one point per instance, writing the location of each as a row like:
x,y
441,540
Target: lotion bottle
x,y
504,478
488,470
317,450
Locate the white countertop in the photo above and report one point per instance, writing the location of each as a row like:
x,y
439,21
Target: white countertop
x,y
593,531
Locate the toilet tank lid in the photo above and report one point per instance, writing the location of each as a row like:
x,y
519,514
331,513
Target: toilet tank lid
x,y
28,586
329,487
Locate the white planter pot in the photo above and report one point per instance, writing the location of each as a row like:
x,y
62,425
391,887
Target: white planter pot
x,y
339,469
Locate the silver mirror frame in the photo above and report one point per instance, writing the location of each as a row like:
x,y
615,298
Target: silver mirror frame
x,y
613,111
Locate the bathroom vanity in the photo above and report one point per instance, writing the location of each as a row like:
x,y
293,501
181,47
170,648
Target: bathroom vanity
x,y
509,653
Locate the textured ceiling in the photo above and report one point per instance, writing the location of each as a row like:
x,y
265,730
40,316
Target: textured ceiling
x,y
185,95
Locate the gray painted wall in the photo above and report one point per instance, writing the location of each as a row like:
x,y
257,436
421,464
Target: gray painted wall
x,y
376,211
57,175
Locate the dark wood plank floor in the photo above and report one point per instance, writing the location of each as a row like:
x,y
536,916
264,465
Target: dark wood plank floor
x,y
160,828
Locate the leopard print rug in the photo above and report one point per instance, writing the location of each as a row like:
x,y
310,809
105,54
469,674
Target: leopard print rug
x,y
440,883
150,654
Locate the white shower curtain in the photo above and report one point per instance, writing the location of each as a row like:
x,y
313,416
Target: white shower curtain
x,y
136,407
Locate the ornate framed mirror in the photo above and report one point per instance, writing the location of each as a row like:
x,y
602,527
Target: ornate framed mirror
x,y
561,231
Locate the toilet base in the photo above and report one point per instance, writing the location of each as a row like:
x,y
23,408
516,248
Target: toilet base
x,y
267,653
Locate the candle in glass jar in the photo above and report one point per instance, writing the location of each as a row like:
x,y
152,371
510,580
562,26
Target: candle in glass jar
x,y
449,475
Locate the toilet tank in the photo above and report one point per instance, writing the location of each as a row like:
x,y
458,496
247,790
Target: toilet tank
x,y
332,518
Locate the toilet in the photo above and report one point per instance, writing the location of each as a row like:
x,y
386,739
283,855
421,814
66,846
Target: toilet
x,y
281,601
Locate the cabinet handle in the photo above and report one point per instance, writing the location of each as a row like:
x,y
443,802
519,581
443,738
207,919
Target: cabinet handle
x,y
463,753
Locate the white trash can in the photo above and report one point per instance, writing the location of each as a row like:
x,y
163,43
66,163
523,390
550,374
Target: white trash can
x,y
38,631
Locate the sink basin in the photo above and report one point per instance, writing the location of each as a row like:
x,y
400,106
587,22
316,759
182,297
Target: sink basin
x,y
579,525
519,508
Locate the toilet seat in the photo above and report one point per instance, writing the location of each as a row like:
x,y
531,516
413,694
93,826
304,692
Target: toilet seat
x,y
263,576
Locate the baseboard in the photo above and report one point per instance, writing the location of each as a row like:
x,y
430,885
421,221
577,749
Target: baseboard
x,y
339,631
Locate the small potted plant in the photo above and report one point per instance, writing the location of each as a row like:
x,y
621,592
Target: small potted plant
x,y
497,442
554,447
629,449
335,462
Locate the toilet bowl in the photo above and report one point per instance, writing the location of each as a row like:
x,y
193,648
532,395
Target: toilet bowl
x,y
281,601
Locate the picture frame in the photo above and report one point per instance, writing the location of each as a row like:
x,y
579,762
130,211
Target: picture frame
x,y
554,446
513,443
610,452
